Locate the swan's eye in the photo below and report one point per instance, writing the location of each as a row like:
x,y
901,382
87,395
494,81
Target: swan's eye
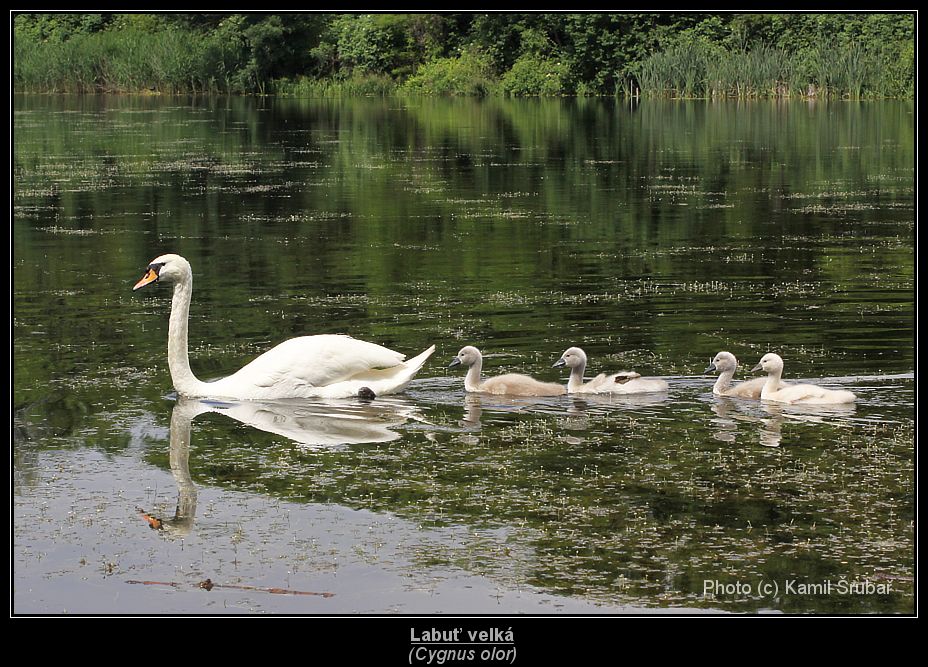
x,y
156,267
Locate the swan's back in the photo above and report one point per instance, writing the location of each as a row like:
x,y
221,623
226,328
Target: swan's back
x,y
331,365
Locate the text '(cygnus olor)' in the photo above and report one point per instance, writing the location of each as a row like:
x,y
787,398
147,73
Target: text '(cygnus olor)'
x,y
807,394
328,365
625,382
510,384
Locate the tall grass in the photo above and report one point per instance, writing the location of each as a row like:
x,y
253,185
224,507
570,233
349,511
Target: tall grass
x,y
357,85
171,60
181,60
698,69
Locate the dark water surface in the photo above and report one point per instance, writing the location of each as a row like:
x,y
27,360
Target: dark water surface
x,y
653,236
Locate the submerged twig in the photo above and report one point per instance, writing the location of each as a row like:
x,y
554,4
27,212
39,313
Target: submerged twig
x,y
208,585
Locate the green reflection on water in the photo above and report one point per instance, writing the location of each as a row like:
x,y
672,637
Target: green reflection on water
x,y
653,235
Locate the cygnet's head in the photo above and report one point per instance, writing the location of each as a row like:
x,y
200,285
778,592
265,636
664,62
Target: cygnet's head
x,y
572,357
166,267
770,363
468,356
723,361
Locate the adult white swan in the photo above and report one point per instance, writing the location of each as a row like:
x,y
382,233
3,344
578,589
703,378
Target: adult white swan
x,y
329,366
508,384
804,394
626,382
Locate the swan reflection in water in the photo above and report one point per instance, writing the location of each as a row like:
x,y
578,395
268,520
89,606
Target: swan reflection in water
x,y
730,411
314,424
322,423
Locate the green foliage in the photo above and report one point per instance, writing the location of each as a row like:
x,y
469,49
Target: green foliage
x,y
767,56
137,22
468,74
685,54
357,84
498,36
393,44
169,60
57,27
365,46
535,75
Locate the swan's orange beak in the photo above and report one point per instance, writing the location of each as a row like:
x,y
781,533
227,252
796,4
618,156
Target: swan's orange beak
x,y
149,277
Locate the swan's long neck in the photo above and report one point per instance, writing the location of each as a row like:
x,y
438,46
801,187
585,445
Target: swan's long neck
x,y
183,378
576,377
772,385
723,382
472,380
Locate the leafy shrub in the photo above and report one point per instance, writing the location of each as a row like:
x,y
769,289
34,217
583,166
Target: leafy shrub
x,y
535,75
468,74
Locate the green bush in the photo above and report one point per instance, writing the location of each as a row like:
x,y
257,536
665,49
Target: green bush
x,y
533,75
682,55
468,74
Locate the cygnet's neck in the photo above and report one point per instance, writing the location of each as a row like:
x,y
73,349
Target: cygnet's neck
x,y
576,377
472,380
773,382
723,382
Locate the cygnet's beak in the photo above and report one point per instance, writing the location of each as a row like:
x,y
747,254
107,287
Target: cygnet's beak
x,y
454,362
560,362
710,368
150,276
757,367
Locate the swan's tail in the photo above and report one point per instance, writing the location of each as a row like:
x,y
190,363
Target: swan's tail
x,y
418,361
382,382
413,366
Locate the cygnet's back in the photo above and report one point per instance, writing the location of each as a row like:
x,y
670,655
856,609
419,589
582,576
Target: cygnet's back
x,y
514,384
509,384
625,382
801,394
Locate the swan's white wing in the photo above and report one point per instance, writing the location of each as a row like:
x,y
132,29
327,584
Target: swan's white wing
x,y
301,363
381,382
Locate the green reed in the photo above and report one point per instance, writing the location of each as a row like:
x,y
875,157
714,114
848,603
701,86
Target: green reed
x,y
697,69
169,61
179,60
356,85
